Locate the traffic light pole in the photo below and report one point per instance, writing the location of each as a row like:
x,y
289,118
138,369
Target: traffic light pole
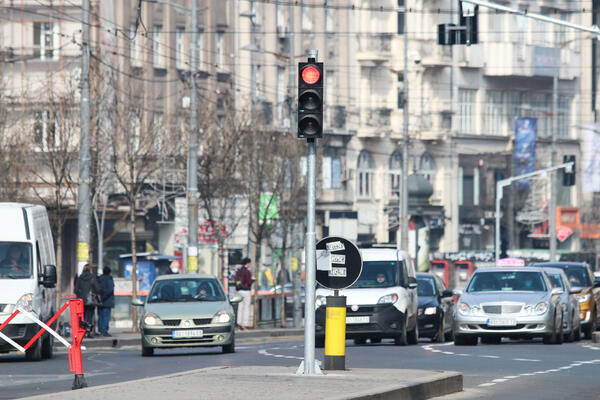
x,y
552,203
192,166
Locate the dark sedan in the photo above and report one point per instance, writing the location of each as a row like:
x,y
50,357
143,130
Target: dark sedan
x,y
436,308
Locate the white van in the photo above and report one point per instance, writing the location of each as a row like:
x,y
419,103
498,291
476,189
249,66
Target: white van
x,y
381,304
27,275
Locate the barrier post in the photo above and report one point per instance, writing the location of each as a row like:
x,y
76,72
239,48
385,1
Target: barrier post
x,y
335,333
77,332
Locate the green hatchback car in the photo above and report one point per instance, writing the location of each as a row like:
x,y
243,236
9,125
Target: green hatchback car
x,y
188,310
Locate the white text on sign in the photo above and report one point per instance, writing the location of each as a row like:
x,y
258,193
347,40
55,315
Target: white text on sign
x,y
338,259
338,272
335,246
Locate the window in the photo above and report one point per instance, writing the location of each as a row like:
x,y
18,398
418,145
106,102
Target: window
x,y
329,94
157,125
255,77
427,167
134,144
494,112
134,47
179,39
563,116
306,21
365,174
331,173
401,101
280,18
157,46
395,173
45,130
281,90
45,41
329,22
219,49
401,20
466,110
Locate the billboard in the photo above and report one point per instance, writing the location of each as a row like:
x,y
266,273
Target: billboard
x,y
524,150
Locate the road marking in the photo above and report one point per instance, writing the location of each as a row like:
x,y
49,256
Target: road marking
x,y
486,384
511,377
447,352
264,352
499,380
526,359
484,356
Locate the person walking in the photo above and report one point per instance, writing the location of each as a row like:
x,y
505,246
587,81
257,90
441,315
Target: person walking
x,y
107,295
243,285
88,290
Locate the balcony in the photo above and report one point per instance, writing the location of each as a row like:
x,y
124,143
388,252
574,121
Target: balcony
x,y
335,117
375,122
376,48
435,56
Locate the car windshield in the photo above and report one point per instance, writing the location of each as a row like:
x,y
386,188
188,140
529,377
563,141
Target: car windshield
x,y
425,287
507,281
578,276
379,274
15,260
556,280
191,289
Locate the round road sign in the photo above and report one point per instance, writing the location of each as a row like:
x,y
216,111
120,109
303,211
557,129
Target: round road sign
x,y
339,263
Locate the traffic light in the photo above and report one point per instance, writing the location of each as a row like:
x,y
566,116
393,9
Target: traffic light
x,y
569,176
310,99
468,20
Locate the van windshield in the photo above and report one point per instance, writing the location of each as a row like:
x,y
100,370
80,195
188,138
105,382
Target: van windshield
x,y
15,260
380,274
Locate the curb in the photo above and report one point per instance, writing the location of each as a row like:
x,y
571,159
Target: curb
x,y
116,342
595,337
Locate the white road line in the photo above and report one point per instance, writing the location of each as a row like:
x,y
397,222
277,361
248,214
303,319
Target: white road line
x,y
526,359
462,354
484,356
447,352
499,380
511,377
486,384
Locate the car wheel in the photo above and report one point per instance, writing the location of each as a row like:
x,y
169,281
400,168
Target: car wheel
x,y
34,353
413,336
48,346
465,340
439,336
449,336
401,340
147,351
590,328
491,339
551,338
578,333
229,348
375,340
320,342
571,335
360,341
560,335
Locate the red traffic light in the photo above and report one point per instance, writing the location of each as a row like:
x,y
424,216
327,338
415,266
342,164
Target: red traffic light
x,y
310,75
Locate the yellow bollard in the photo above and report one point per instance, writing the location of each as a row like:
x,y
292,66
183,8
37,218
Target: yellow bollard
x,y
335,333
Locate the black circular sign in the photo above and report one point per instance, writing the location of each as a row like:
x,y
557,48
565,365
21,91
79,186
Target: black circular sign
x,y
339,263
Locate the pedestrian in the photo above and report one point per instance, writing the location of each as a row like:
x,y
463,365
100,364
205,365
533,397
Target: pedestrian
x,y
88,290
107,295
243,285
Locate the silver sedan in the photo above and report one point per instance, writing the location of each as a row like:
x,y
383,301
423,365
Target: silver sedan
x,y
515,302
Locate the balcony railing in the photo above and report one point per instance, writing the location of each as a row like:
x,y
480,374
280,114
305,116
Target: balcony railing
x,y
376,117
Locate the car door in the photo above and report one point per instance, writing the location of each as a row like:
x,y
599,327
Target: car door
x,y
595,292
446,303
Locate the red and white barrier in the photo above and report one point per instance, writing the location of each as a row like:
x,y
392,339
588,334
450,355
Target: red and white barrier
x,y
77,333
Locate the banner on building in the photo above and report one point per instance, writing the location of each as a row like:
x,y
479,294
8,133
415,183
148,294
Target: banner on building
x,y
524,151
591,158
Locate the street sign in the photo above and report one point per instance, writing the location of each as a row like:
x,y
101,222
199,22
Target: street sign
x,y
339,263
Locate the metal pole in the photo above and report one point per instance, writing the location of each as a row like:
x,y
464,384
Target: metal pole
x,y
402,243
83,190
499,189
311,248
552,205
192,167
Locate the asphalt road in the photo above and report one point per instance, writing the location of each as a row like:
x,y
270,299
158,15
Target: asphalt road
x,y
513,369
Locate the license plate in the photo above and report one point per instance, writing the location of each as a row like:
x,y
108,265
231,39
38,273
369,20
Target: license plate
x,y
501,322
357,320
187,334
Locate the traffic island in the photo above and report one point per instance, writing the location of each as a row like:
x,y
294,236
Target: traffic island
x,y
276,383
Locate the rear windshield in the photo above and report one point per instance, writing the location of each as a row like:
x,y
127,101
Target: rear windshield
x,y
578,276
380,274
15,260
426,287
180,290
507,281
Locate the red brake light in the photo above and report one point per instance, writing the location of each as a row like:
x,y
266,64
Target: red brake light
x,y
310,75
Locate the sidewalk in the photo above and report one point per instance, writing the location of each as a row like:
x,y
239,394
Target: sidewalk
x,y
277,383
124,337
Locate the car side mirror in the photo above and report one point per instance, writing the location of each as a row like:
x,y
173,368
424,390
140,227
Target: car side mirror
x,y
137,302
575,289
447,293
597,283
412,282
557,291
235,299
457,292
49,276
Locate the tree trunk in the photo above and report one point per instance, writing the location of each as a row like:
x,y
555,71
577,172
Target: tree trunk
x,y
133,264
257,254
59,263
283,273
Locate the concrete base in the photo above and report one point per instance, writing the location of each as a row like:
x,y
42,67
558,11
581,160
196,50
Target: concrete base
x,y
276,383
595,337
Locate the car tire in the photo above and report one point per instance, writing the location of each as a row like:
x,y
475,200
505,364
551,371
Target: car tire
x,y
401,340
320,342
578,333
590,328
552,337
571,335
491,339
560,335
449,336
465,340
440,335
34,353
413,336
48,346
229,348
360,342
375,340
147,351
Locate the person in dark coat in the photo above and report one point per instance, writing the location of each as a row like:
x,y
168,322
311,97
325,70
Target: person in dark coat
x,y
107,293
85,286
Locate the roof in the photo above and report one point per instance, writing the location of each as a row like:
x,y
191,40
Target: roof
x,y
18,205
425,275
516,269
561,264
382,254
184,276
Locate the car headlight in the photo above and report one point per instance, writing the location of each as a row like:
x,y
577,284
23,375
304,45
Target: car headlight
x,y
388,299
583,297
464,308
320,301
541,308
152,319
25,302
430,310
222,317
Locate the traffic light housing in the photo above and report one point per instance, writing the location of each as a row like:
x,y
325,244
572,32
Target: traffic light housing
x,y
468,20
569,176
310,99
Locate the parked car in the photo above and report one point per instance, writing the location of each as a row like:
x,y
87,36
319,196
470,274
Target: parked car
x,y
436,308
580,274
569,303
187,310
381,304
515,302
